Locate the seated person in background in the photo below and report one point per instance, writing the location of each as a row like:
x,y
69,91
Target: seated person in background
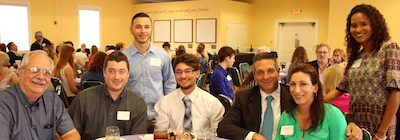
x,y
50,52
110,104
252,116
166,47
94,51
95,71
79,64
260,49
192,108
120,46
84,50
7,77
307,115
339,57
221,81
28,110
40,41
202,58
177,53
332,76
65,72
109,49
3,47
12,53
299,56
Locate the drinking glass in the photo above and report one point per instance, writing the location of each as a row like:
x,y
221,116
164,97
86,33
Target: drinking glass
x,y
112,133
160,134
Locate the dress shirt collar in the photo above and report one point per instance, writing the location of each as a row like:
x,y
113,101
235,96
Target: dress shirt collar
x,y
192,96
276,94
105,90
25,99
133,50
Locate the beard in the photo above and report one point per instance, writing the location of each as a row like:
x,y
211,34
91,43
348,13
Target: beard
x,y
322,59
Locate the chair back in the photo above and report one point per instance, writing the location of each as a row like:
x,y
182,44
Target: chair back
x,y
366,134
200,81
59,89
235,77
242,68
88,84
226,102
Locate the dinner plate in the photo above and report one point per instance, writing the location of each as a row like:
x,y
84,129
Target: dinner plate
x,y
104,138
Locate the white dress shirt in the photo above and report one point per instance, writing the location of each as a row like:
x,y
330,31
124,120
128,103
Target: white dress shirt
x,y
276,108
207,111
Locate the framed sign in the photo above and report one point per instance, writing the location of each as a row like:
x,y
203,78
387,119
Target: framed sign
x,y
162,31
183,31
206,30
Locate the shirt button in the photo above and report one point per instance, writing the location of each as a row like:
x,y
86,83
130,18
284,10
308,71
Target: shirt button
x,y
33,127
111,113
319,133
32,112
26,105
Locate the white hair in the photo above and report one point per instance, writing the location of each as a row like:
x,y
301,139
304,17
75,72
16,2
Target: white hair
x,y
38,33
262,49
80,56
25,60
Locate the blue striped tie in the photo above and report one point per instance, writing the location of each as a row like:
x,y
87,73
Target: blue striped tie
x,y
187,119
268,124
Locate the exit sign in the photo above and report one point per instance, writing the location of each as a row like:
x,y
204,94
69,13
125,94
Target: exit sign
x,y
296,10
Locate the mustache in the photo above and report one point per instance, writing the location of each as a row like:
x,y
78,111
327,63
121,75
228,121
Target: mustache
x,y
37,81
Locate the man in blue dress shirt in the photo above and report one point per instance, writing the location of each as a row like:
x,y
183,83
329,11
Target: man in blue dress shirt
x,y
28,110
151,74
221,81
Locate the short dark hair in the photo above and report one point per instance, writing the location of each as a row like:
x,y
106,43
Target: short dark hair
x,y
265,55
116,56
141,14
111,47
9,45
166,44
189,59
69,42
119,45
225,52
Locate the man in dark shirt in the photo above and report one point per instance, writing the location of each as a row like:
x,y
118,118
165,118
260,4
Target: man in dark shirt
x,y
111,104
40,41
12,53
28,110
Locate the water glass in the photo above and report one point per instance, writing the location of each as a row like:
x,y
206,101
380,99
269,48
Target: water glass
x,y
112,133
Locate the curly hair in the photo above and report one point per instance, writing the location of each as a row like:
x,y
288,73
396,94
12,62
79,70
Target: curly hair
x,y
299,56
378,27
317,106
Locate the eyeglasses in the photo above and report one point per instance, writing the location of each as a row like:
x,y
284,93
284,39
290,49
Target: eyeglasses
x,y
322,52
187,71
36,70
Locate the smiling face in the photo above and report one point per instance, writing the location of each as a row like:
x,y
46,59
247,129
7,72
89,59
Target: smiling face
x,y
337,57
323,54
141,30
116,76
186,77
301,88
34,84
266,75
360,29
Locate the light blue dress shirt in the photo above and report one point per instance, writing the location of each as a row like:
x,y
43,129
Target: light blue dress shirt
x,y
151,74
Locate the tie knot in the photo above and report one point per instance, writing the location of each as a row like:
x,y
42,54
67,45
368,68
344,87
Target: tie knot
x,y
186,101
269,99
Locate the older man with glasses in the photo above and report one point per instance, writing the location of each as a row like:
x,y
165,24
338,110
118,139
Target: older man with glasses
x,y
323,53
28,110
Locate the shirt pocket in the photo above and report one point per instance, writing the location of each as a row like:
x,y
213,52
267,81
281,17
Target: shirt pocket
x,y
155,73
48,134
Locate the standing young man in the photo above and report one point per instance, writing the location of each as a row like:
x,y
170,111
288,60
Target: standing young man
x,y
151,73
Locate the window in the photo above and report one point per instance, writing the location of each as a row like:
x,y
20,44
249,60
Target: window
x,y
14,26
89,25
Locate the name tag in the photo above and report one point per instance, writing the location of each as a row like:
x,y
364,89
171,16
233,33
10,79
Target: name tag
x,y
228,77
79,71
287,130
155,62
123,115
356,63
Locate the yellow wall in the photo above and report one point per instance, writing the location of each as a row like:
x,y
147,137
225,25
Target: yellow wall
x,y
340,9
267,11
159,11
115,20
233,11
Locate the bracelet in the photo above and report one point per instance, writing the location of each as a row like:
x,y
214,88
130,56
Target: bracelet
x,y
376,136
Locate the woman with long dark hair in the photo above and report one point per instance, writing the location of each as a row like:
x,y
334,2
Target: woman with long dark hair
x,y
372,74
307,114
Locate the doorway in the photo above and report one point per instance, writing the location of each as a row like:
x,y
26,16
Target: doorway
x,y
237,36
292,33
